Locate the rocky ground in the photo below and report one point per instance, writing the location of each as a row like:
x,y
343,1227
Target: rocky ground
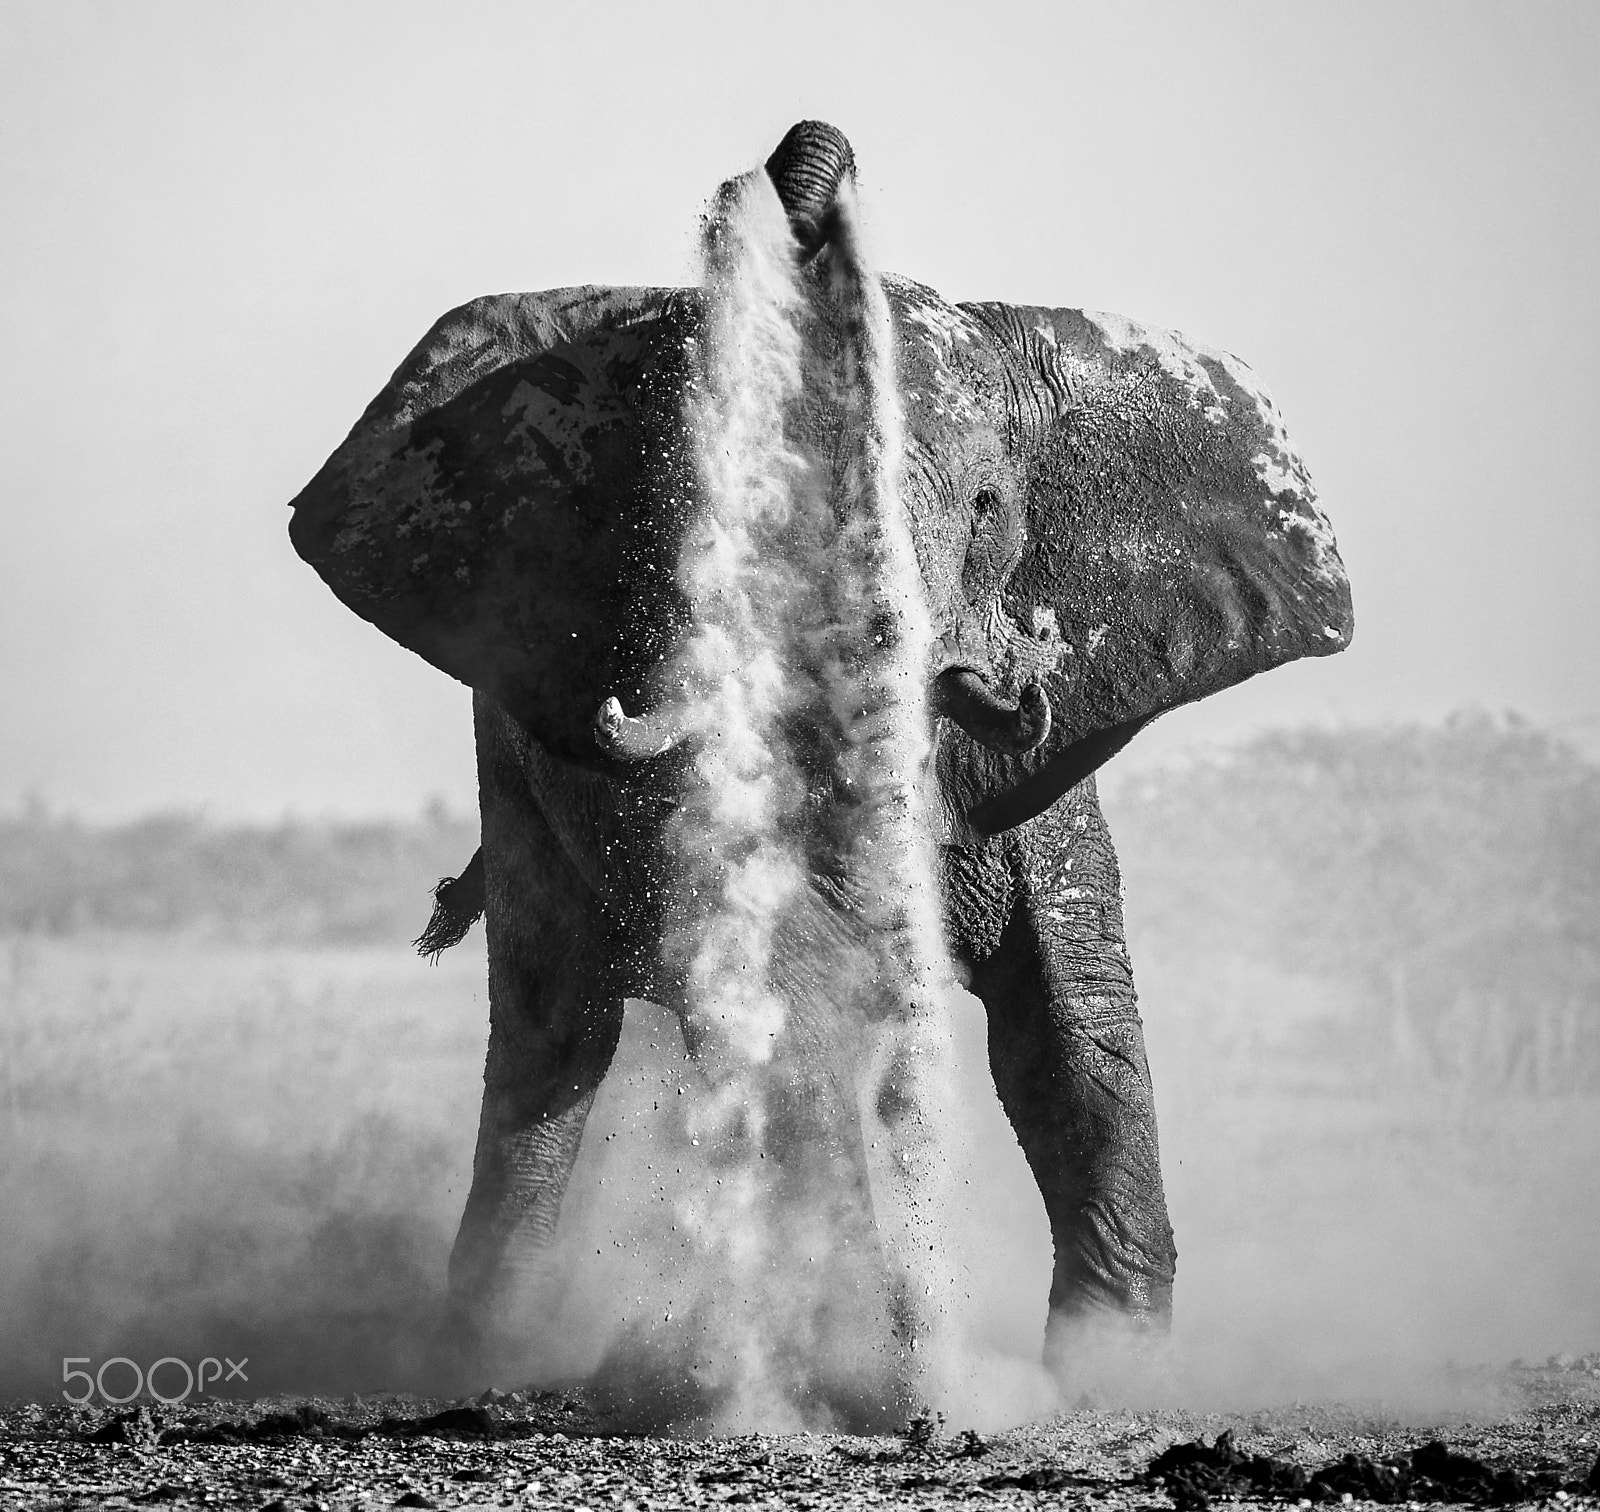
x,y
1534,1438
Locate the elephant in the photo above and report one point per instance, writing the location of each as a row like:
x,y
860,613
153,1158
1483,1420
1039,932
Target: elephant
x,y
1109,521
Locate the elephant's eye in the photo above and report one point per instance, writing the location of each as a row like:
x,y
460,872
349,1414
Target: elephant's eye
x,y
994,547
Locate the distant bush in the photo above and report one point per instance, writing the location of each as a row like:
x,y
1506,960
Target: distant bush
x,y
1451,875
1446,878
319,883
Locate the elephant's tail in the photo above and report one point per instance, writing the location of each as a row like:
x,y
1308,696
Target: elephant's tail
x,y
457,905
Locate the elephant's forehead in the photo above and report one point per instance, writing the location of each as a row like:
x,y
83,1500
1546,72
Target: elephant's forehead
x,y
941,325
936,341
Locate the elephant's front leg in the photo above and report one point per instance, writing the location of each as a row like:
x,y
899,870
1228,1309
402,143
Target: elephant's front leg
x,y
554,1023
1067,1051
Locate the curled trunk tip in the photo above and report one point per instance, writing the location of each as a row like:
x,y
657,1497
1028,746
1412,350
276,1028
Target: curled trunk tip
x,y
807,167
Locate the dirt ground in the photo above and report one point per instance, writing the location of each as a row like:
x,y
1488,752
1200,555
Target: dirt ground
x,y
540,1449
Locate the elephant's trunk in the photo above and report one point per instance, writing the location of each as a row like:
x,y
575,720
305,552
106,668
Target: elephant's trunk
x,y
962,695
807,168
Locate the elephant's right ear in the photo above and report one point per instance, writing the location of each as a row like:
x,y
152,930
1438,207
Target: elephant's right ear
x,y
488,506
1175,539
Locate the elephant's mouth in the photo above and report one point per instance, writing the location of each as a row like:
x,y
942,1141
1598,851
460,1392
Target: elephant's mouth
x,y
961,694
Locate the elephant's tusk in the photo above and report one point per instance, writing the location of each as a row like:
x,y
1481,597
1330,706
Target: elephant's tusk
x,y
630,739
962,695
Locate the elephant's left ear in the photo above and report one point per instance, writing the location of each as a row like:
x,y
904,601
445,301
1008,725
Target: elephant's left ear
x,y
484,508
1173,528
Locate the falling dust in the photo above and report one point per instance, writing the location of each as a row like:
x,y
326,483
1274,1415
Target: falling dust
x,y
809,942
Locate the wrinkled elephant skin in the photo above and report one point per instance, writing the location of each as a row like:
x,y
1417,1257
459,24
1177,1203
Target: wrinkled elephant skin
x,y
1109,521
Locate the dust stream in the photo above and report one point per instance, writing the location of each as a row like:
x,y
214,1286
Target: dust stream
x,y
804,673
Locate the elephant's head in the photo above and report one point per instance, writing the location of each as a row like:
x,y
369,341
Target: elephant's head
x,y
1110,520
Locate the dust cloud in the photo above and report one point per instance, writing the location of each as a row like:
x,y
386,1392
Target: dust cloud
x,y
209,1148
215,1149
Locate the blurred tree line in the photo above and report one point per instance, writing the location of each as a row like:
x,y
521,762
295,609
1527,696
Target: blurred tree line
x,y
1448,877
307,882
1444,880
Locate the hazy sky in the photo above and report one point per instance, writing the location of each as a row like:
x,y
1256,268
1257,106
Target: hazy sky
x,y
223,226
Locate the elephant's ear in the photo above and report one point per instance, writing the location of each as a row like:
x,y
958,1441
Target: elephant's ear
x,y
1173,532
483,508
